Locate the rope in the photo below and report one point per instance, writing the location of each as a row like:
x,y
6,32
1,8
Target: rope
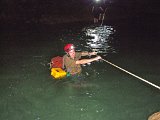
x,y
156,86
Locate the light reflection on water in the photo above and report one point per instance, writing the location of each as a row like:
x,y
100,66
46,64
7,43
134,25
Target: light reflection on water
x,y
100,39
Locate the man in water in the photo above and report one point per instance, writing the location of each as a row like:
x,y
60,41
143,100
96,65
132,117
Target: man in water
x,y
97,11
72,60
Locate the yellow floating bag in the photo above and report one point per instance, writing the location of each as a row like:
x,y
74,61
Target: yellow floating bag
x,y
58,73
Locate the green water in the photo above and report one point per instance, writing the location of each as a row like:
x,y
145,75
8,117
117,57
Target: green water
x,y
28,92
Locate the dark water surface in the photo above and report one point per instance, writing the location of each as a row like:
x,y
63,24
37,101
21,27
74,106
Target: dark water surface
x,y
28,92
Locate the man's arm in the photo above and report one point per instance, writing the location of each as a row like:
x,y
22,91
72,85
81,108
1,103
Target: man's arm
x,y
84,61
89,53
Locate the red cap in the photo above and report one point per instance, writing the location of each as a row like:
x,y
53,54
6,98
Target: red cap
x,y
68,47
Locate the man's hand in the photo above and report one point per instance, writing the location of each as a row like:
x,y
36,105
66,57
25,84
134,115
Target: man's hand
x,y
98,57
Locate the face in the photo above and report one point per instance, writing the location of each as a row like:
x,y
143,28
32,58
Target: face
x,y
72,53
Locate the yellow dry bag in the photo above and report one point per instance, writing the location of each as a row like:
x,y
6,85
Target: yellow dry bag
x,y
58,73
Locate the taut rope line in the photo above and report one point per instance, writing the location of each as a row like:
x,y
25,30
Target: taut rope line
x,y
156,86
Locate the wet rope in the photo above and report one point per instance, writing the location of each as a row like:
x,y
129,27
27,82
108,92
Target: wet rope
x,y
156,86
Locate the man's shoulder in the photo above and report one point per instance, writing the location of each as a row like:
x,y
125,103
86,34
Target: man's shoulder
x,y
66,57
78,52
